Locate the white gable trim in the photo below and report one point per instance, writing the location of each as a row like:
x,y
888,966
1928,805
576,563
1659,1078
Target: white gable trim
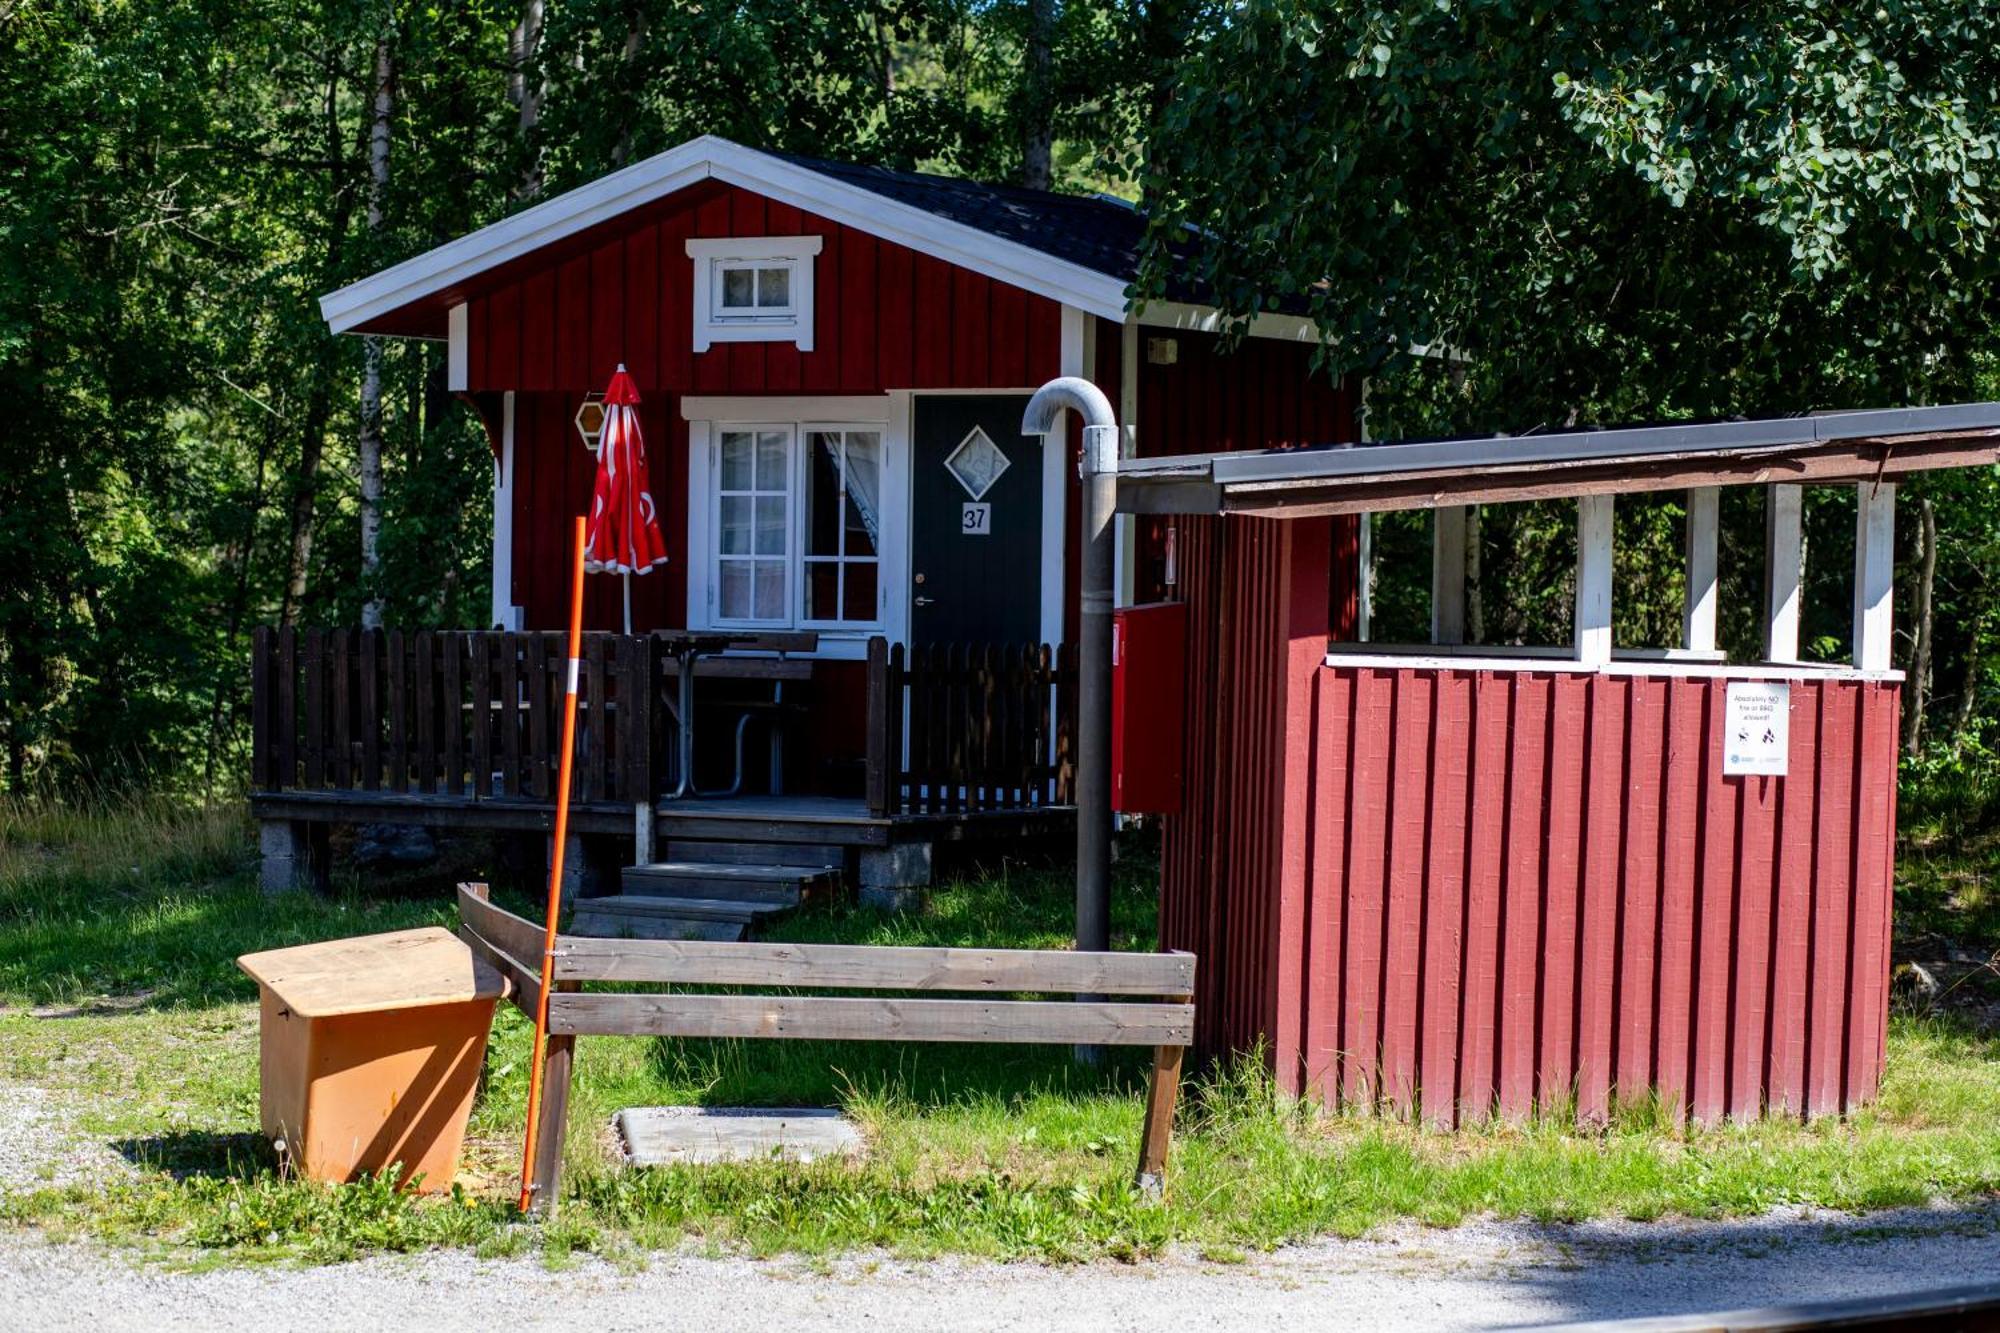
x,y
712,158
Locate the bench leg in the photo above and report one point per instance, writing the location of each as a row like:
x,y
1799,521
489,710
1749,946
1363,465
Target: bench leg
x,y
556,1063
1159,1128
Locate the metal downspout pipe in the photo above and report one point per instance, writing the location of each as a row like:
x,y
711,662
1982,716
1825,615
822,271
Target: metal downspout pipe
x,y
1098,468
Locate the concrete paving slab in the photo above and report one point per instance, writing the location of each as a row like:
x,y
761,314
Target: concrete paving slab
x,y
662,1135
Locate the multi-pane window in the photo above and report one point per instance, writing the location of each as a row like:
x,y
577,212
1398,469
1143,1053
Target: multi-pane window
x,y
753,524
843,525
752,290
798,525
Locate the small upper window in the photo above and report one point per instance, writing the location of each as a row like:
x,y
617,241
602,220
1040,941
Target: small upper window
x,y
753,289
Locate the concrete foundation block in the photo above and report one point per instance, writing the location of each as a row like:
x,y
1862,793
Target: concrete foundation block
x,y
293,856
284,862
894,879
906,865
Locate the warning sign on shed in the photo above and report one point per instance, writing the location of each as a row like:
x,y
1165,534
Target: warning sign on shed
x,y
1757,728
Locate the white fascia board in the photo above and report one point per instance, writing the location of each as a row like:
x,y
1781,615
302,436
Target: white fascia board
x,y
713,158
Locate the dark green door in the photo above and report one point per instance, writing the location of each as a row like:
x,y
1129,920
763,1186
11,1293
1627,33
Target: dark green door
x,y
975,521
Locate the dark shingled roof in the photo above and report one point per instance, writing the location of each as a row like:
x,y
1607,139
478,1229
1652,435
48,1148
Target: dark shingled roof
x,y
1086,230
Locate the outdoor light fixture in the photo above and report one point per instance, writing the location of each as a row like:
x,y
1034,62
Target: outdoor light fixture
x,y
590,420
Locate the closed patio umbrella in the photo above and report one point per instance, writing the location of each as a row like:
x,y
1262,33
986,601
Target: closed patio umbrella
x,y
624,533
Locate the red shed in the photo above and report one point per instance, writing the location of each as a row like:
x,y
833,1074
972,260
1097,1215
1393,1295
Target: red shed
x,y
1451,880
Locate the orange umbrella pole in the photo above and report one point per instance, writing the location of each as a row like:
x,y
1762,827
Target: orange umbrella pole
x,y
555,875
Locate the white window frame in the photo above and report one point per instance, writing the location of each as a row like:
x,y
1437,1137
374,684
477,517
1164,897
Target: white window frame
x,y
707,418
711,255
801,520
711,502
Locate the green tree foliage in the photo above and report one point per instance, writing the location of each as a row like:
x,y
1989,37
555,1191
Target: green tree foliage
x,y
1609,211
1616,212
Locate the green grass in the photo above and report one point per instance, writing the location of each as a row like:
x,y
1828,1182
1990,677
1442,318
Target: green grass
x,y
1004,1152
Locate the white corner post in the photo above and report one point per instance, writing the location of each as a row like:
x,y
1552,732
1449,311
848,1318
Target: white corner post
x,y
1784,568
502,613
1593,579
1704,527
1874,573
1448,574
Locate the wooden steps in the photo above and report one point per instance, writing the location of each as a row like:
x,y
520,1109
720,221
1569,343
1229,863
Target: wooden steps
x,y
710,889
642,917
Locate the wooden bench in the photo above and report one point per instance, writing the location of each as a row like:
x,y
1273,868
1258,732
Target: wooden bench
x,y
513,945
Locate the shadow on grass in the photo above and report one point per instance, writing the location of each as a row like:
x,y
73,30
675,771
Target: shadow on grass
x,y
198,1154
923,1076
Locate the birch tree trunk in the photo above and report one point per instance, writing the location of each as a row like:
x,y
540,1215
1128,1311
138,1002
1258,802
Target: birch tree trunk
x,y
526,90
368,445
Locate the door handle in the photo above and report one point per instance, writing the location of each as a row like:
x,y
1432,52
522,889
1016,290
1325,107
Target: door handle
x,y
924,601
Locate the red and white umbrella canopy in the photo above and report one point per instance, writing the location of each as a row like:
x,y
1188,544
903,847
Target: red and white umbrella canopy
x,y
624,535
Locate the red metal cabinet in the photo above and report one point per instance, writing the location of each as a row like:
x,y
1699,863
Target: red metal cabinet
x,y
1148,703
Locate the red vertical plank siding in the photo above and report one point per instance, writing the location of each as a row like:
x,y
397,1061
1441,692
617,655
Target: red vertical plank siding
x,y
1367,870
1479,1008
1303,550
1333,754
607,314
538,316
574,298
676,301
1458,892
503,339
1791,952
1602,840
1673,995
895,277
1639,888
1569,724
1402,930
1715,912
1826,1051
1444,884
1875,786
971,300
1749,1034
1521,920
859,309
640,348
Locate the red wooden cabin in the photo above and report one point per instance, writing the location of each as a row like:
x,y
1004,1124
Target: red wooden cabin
x,y
834,362
1452,880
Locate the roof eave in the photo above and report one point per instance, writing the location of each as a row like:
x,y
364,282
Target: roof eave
x,y
1852,446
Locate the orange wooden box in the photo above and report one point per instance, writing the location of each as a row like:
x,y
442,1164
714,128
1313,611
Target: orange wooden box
x,y
371,1050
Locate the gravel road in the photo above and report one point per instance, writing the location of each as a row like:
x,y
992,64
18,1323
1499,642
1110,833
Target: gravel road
x,y
1485,1275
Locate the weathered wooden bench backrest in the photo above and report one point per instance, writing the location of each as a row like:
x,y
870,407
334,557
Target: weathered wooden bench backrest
x,y
514,945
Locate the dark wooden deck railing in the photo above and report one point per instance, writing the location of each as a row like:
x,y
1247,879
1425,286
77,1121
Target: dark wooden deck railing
x,y
957,728
477,716
469,714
